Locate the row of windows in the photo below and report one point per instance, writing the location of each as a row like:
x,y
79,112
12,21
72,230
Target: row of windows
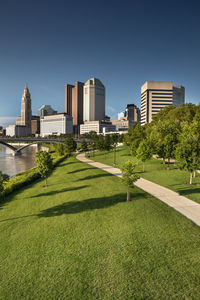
x,y
161,101
162,93
161,97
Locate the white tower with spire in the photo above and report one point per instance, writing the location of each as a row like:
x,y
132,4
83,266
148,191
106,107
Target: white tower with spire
x,y
26,112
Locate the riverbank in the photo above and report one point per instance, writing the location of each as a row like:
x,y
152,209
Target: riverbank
x,y
69,242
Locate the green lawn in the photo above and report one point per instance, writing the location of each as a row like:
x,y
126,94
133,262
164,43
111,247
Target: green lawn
x,y
79,239
173,179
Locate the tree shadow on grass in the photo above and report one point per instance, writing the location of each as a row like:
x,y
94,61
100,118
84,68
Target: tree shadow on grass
x,y
74,207
189,191
95,176
50,193
80,170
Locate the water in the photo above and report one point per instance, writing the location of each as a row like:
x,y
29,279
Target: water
x,y
12,165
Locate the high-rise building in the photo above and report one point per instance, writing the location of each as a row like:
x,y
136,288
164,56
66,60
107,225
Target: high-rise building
x,y
93,100
26,112
46,110
156,95
132,113
74,102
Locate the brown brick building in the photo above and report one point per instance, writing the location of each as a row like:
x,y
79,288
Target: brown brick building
x,y
74,102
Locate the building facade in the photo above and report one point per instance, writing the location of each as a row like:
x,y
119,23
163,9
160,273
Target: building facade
x,y
18,130
132,113
93,100
97,126
26,112
156,95
35,125
74,102
56,125
46,110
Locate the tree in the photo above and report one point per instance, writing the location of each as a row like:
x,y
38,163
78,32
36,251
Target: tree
x,y
84,146
114,141
44,164
129,176
144,152
135,135
188,151
107,143
60,149
70,145
3,179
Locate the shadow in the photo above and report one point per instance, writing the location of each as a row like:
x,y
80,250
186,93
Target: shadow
x,y
80,170
74,207
17,218
189,191
65,163
59,191
95,176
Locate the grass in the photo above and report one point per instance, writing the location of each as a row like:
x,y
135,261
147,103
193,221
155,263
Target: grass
x,y
79,239
173,179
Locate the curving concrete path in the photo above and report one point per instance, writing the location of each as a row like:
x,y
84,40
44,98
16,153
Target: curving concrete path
x,y
183,205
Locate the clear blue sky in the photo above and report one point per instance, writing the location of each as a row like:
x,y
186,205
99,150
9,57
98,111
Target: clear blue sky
x,y
123,43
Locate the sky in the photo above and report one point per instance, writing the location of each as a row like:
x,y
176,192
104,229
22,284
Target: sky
x,y
46,44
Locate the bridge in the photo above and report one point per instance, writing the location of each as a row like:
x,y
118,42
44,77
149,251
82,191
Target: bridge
x,y
29,141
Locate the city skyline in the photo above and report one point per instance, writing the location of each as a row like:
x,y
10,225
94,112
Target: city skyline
x,y
110,43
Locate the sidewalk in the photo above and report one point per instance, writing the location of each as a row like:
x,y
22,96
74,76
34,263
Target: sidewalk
x,y
183,205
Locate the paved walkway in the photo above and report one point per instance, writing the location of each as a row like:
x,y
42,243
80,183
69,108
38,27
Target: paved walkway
x,y
183,205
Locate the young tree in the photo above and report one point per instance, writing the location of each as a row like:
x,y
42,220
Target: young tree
x,y
129,176
70,145
144,152
188,151
44,163
107,143
114,141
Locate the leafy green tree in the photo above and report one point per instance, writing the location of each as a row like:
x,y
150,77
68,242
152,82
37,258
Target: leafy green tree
x,y
107,143
114,142
129,176
44,164
70,145
84,146
144,152
60,149
188,151
135,135
3,179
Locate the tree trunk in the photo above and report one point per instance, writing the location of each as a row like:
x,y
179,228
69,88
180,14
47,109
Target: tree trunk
x,y
46,182
163,161
143,167
168,161
128,197
190,177
194,173
115,156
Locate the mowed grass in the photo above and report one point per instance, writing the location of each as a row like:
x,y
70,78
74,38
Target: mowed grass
x,y
79,239
174,179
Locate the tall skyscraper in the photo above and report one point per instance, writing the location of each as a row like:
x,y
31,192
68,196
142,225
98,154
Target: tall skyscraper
x,y
93,100
156,95
74,102
26,112
132,113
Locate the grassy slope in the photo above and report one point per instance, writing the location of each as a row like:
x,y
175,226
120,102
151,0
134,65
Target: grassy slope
x,y
78,239
173,179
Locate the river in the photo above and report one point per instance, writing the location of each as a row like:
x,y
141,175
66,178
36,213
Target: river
x,y
12,165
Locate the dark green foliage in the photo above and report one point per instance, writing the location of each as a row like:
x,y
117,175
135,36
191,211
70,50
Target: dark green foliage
x,y
44,164
70,145
84,146
188,151
135,135
3,178
60,149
